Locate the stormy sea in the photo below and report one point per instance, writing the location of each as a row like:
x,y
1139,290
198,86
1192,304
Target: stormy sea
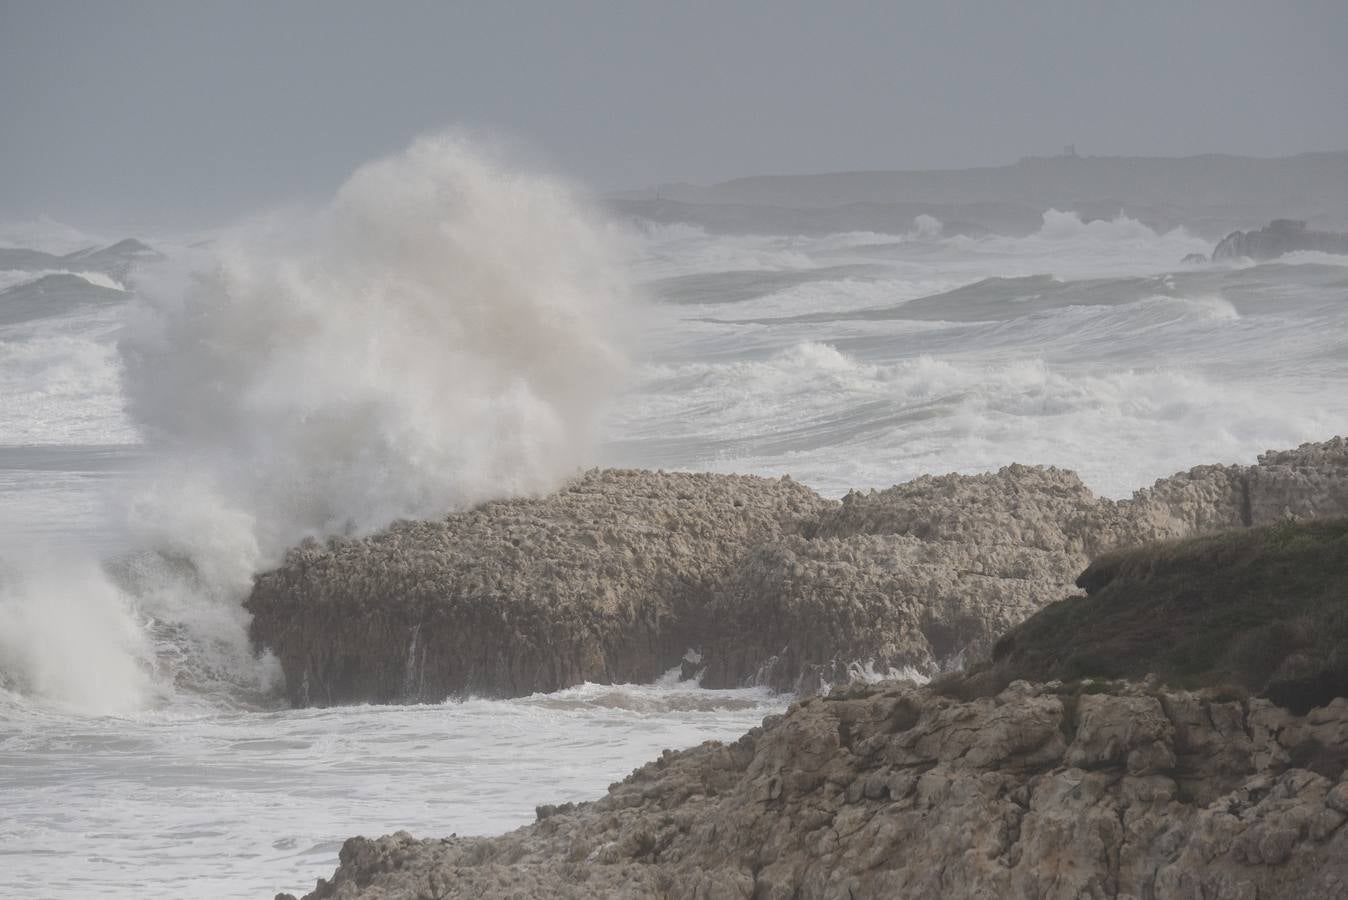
x,y
176,410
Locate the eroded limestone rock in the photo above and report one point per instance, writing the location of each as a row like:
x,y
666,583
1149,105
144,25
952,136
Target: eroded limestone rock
x,y
892,790
617,575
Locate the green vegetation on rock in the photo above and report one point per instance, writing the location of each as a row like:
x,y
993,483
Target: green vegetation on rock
x,y
1264,609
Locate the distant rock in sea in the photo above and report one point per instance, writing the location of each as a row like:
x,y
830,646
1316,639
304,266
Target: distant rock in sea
x,y
1278,237
1194,259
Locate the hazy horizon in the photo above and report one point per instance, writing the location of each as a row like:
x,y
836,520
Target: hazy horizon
x,y
150,111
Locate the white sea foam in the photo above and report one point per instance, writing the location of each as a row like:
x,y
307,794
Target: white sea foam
x,y
199,802
925,226
59,380
837,422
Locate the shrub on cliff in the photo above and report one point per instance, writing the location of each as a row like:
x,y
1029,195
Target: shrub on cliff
x,y
1265,609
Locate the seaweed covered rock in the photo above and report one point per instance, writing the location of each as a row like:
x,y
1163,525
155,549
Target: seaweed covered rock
x,y
894,790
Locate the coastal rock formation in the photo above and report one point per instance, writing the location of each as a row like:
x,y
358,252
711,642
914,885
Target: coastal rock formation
x,y
893,790
1306,483
1276,238
617,576
917,578
601,581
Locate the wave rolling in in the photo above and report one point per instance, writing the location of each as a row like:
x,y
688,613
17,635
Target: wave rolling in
x,y
441,334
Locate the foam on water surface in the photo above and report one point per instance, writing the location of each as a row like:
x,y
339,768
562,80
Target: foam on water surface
x,y
193,801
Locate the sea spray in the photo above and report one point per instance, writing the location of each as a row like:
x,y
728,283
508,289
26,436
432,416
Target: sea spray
x,y
442,333
70,636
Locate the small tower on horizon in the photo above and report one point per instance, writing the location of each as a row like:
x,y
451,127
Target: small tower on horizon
x,y
1070,151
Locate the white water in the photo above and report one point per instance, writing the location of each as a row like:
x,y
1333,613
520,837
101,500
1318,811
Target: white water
x,y
1124,365
447,331
199,802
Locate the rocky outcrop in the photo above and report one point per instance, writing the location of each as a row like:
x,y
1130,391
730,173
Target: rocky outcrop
x,y
1276,238
618,575
1306,483
602,581
894,790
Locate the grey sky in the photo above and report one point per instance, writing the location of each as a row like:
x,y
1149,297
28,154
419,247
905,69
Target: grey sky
x,y
190,112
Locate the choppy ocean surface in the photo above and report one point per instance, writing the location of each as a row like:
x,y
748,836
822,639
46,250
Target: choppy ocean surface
x,y
130,765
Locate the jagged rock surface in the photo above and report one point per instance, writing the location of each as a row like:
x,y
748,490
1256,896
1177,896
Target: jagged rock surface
x,y
1276,238
598,582
616,576
893,790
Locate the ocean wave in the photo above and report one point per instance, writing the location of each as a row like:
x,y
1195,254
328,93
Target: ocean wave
x,y
60,380
444,332
14,278
838,422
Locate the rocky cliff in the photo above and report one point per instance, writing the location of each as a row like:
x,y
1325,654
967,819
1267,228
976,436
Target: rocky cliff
x,y
621,573
893,790
1276,238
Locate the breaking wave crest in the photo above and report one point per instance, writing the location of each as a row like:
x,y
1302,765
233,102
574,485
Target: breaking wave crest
x,y
441,334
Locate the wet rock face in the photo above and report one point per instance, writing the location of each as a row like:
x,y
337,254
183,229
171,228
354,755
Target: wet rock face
x,y
616,576
892,790
1278,237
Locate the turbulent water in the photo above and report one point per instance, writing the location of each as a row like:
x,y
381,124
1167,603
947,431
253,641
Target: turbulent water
x,y
446,331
